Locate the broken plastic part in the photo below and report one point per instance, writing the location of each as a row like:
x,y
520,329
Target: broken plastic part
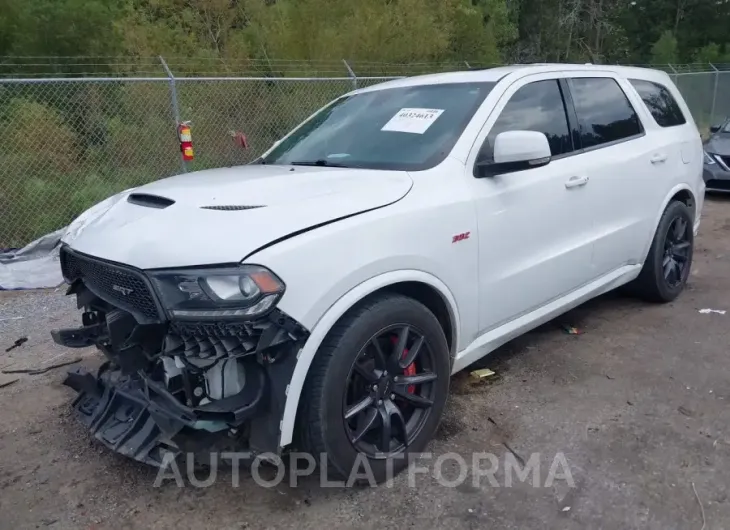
x,y
137,417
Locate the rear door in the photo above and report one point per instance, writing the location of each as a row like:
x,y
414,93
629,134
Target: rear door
x,y
622,164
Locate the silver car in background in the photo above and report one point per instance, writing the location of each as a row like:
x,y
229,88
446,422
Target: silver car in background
x,y
717,158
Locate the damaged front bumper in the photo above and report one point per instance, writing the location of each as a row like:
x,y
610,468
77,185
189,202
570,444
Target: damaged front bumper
x,y
140,419
152,395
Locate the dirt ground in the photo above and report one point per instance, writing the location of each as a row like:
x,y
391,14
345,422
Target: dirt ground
x,y
637,404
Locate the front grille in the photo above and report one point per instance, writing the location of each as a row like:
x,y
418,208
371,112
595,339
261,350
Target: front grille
x,y
122,287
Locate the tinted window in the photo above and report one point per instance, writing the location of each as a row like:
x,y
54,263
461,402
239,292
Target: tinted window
x,y
407,128
604,113
660,102
534,107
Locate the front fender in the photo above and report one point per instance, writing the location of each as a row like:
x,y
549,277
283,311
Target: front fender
x,y
320,266
328,270
325,323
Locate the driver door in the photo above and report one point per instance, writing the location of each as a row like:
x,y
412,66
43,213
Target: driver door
x,y
535,227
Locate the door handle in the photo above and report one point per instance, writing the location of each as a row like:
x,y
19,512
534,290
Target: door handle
x,y
575,182
659,158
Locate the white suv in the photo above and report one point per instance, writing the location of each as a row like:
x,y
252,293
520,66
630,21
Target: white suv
x,y
322,296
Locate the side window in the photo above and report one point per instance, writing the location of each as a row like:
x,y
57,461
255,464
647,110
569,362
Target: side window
x,y
660,102
535,107
604,112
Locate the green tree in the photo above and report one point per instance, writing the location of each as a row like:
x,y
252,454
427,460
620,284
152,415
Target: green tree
x,y
208,34
664,50
712,53
62,28
480,29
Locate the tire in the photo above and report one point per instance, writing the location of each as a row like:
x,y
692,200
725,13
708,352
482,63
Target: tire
x,y
652,284
334,378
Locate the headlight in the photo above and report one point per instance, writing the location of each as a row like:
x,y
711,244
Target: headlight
x,y
708,158
226,293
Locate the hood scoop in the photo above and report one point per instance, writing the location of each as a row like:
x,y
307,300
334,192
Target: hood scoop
x,y
233,207
149,201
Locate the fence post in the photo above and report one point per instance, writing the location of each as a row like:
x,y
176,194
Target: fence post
x,y
714,94
676,77
175,108
351,74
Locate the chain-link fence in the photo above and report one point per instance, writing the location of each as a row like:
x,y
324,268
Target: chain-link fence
x,y
68,143
707,94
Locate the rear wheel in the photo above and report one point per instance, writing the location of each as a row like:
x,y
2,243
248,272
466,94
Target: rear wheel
x,y
376,388
668,263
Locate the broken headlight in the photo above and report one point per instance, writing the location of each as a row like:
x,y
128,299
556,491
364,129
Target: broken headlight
x,y
239,292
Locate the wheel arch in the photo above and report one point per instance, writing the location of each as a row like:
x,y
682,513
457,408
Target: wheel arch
x,y
685,196
421,286
682,193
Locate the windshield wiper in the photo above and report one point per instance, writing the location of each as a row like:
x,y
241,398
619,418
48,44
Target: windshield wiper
x,y
321,162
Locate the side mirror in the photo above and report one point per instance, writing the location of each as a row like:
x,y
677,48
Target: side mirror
x,y
714,128
516,151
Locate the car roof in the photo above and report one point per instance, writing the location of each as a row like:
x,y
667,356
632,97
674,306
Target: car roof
x,y
493,75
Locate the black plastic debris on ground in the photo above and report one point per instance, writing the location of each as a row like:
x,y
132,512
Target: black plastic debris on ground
x,y
38,371
17,343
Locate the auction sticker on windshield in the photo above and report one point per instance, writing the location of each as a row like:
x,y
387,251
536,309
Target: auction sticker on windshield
x,y
416,121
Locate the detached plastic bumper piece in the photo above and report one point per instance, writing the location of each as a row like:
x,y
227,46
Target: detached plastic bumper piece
x,y
140,419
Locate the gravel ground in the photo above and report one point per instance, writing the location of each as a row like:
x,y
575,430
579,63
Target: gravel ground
x,y
638,404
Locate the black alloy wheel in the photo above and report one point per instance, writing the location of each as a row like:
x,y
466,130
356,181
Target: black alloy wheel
x,y
390,391
677,243
376,388
667,266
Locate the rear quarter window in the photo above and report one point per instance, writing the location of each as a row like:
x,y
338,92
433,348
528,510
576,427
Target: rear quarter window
x,y
660,102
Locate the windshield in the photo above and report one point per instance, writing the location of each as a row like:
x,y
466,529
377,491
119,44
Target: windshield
x,y
726,128
408,129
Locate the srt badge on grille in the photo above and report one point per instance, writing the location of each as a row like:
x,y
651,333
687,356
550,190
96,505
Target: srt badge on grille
x,y
126,291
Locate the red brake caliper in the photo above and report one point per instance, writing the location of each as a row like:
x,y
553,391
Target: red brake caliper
x,y
409,370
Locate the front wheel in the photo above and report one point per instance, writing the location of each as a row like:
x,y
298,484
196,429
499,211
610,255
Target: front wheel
x,y
376,388
668,263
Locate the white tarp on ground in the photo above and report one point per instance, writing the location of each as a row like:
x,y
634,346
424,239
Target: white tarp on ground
x,y
34,266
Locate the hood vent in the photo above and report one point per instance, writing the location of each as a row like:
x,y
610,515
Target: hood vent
x,y
232,207
149,201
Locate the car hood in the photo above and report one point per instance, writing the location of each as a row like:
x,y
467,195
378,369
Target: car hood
x,y
223,215
719,144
